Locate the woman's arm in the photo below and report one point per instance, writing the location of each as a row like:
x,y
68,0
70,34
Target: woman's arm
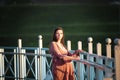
x,y
56,51
76,53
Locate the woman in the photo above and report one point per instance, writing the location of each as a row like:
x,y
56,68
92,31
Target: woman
x,y
62,67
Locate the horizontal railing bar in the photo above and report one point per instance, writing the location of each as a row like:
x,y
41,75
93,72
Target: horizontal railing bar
x,y
9,77
45,55
97,56
7,47
32,54
28,48
100,66
46,49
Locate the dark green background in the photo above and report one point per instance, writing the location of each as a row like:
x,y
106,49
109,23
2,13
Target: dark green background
x,y
79,22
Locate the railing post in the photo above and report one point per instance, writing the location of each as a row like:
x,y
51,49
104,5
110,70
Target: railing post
x,y
36,65
108,47
15,64
69,45
42,67
99,49
107,61
19,61
1,64
22,60
90,68
90,45
80,66
99,72
23,64
117,58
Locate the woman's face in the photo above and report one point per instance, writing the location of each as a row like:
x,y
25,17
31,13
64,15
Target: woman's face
x,y
59,34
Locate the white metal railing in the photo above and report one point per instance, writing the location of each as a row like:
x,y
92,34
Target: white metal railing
x,y
28,66
29,63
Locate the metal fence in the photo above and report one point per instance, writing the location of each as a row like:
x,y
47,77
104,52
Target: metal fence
x,y
34,63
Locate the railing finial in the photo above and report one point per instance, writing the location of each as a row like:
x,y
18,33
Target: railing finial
x,y
90,39
40,44
117,41
40,36
108,40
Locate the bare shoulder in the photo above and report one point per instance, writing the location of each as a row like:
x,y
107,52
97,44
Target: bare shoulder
x,y
53,43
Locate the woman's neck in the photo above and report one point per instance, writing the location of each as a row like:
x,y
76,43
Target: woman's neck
x,y
59,41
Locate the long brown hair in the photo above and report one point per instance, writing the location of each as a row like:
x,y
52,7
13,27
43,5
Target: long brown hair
x,y
54,36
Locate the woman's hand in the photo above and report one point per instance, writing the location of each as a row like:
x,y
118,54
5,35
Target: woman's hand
x,y
78,51
77,58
